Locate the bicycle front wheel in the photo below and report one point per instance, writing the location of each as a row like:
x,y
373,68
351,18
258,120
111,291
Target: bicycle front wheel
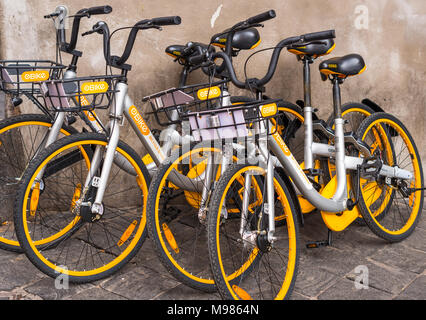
x,y
245,264
53,219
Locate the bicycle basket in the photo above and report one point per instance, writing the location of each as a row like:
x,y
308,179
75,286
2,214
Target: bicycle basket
x,y
22,76
235,121
174,103
87,93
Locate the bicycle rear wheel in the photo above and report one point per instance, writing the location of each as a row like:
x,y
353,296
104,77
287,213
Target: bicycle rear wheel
x,y
21,138
402,198
54,223
245,264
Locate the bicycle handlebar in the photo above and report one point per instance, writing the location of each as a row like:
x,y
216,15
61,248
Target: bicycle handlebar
x,y
102,28
167,21
268,15
76,25
329,34
99,10
274,59
61,13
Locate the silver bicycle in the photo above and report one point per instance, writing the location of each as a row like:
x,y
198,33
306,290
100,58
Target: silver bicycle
x,y
252,255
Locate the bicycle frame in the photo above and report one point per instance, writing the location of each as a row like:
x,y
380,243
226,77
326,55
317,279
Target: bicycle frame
x,y
124,108
283,157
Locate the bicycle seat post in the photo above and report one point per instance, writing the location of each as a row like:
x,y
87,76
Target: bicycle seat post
x,y
309,161
339,142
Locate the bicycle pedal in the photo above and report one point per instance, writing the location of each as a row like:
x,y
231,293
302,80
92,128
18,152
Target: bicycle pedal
x,y
323,243
371,167
317,244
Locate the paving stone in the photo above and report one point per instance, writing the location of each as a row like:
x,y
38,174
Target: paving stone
x,y
297,296
17,272
47,290
404,258
345,289
311,281
139,284
415,291
384,277
358,241
416,240
95,293
395,271
183,292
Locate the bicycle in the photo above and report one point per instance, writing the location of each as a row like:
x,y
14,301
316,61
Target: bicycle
x,y
181,252
22,136
256,242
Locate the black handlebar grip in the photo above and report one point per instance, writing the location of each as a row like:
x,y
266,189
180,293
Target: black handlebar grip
x,y
262,17
322,35
196,60
167,21
99,10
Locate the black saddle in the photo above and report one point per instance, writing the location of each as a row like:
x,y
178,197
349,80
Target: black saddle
x,y
178,51
343,67
243,40
313,49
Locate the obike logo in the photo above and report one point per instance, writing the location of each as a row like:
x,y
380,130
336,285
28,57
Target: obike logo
x,y
84,101
332,66
282,144
209,93
292,159
269,110
90,115
33,76
134,113
94,87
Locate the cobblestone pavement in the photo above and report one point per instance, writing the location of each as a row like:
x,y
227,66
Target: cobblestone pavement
x,y
396,271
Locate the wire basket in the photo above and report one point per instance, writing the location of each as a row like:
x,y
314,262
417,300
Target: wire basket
x,y
22,76
172,105
86,93
232,122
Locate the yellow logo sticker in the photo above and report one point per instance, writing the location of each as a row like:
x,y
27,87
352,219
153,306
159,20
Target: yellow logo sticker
x,y
209,93
140,122
332,65
89,115
269,110
94,87
32,76
282,144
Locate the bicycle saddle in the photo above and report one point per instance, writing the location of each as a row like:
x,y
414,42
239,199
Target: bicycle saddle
x,y
243,40
178,51
343,67
313,49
